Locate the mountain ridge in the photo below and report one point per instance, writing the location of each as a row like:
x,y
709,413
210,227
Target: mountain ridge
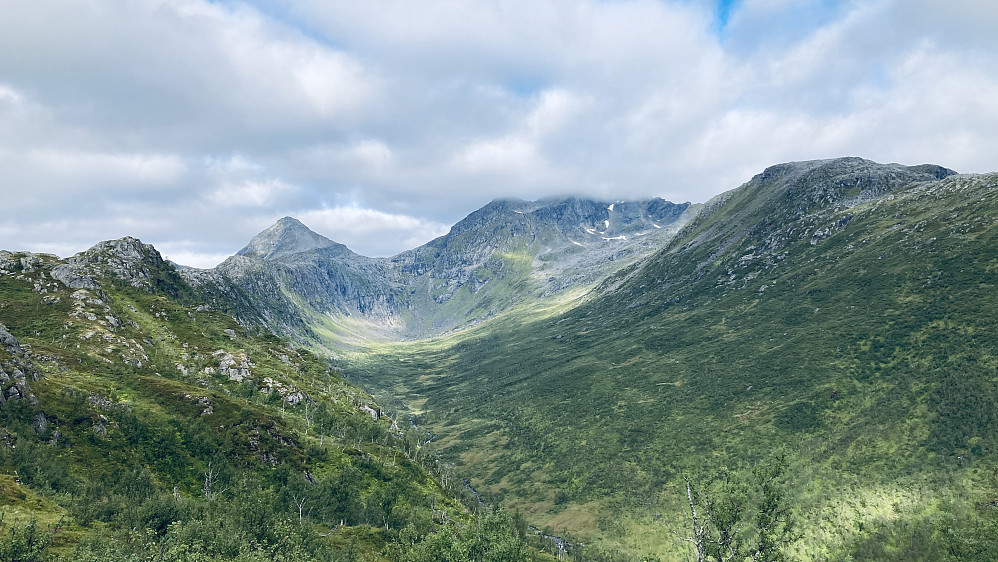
x,y
503,253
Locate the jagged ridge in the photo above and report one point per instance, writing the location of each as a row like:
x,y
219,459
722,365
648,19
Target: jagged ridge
x,y
506,253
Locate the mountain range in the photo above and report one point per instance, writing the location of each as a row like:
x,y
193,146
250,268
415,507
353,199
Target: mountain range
x,y
808,360
298,283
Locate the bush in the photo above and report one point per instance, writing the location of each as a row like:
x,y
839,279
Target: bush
x,y
26,543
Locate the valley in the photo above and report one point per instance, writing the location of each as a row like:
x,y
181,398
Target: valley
x,y
835,313
809,359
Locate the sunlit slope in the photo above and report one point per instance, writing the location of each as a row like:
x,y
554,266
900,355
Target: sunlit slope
x,y
137,422
843,309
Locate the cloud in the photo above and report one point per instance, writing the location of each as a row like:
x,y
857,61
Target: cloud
x,y
366,158
9,97
249,194
371,232
200,73
194,124
95,167
518,156
181,254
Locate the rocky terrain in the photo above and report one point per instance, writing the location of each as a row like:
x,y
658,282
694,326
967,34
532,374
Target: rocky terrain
x,y
298,283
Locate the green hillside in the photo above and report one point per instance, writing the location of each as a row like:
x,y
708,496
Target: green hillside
x,y
832,319
136,423
810,363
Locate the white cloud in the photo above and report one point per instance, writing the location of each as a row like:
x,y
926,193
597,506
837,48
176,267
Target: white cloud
x,y
192,258
507,155
250,193
235,164
371,232
554,109
332,82
365,158
48,182
517,157
94,167
210,118
372,154
9,97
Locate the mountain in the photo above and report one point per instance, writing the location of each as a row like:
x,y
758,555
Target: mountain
x,y
298,283
288,236
139,423
834,319
511,252
808,360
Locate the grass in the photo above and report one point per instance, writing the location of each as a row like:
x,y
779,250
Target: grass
x,y
868,353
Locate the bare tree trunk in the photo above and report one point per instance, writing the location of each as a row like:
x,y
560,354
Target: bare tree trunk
x,y
698,530
300,504
210,479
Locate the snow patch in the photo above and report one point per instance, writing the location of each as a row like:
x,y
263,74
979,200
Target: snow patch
x,y
615,238
576,243
606,224
610,208
591,230
655,225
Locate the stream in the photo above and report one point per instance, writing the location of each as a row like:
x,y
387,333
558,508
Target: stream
x,y
558,541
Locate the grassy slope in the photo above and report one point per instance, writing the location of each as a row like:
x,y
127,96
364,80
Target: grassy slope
x,y
868,350
135,404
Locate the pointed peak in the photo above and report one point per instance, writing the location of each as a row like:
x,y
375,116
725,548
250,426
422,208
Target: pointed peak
x,y
286,237
289,222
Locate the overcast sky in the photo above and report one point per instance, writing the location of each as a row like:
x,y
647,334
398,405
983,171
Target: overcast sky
x,y
193,125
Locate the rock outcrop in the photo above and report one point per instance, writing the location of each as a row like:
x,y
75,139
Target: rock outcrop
x,y
16,369
126,259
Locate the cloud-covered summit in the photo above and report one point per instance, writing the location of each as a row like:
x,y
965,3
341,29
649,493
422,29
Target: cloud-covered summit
x,y
196,124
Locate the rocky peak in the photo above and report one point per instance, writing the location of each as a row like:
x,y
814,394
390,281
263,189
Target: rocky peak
x,y
126,258
573,216
804,187
126,250
608,218
286,237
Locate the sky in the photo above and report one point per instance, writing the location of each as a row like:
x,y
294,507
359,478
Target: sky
x,y
193,125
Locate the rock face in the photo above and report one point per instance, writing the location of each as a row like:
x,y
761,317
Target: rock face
x,y
236,367
500,255
16,368
787,192
820,183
